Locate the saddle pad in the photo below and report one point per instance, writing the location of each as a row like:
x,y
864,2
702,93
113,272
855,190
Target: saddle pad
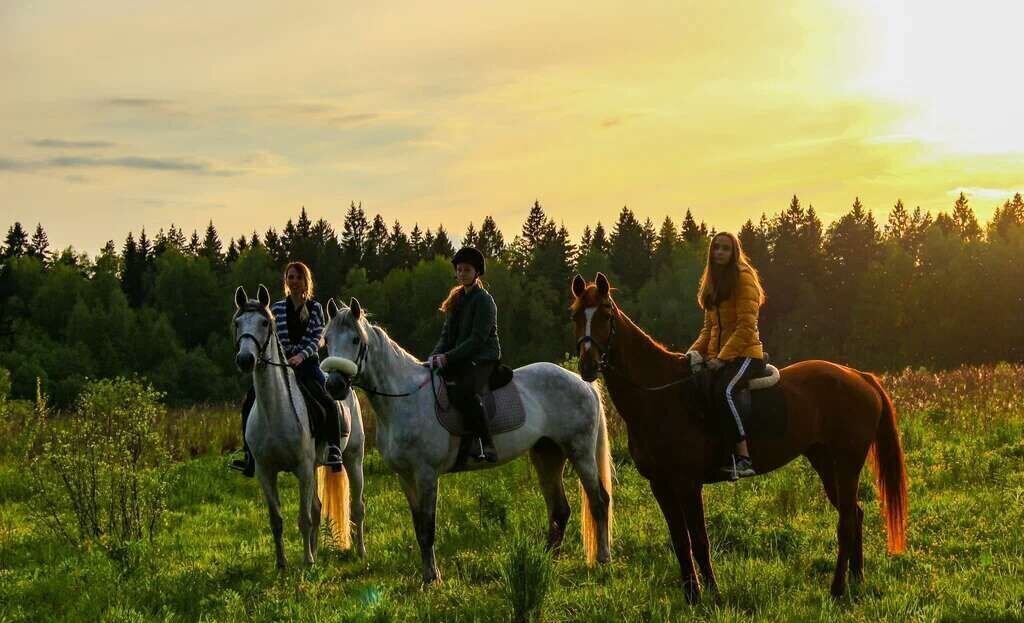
x,y
504,408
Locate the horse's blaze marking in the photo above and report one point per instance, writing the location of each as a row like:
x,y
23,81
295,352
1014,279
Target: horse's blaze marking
x,y
589,312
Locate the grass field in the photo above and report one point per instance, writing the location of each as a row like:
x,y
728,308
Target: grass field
x,y
773,538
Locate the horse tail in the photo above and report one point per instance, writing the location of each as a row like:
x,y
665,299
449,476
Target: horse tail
x,y
334,496
588,525
890,470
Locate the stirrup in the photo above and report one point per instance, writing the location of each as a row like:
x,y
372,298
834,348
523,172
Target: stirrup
x,y
490,455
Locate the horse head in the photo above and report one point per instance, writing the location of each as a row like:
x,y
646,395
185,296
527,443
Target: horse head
x,y
347,341
594,316
253,325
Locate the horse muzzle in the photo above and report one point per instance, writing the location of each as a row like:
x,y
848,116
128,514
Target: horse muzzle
x,y
338,385
245,361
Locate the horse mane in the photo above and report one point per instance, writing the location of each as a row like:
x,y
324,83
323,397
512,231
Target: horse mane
x,y
380,334
590,298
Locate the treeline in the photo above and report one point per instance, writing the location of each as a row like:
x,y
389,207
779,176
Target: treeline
x,y
916,290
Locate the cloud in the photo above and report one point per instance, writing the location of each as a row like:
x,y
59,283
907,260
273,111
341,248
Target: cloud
x,y
136,102
66,144
178,165
353,119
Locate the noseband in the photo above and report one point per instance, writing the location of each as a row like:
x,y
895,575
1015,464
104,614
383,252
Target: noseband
x,y
604,350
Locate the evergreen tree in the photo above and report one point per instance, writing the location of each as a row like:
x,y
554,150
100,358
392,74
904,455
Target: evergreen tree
x,y
232,255
489,240
469,239
600,241
533,228
630,252
690,231
398,250
353,236
964,222
375,249
754,239
39,246
212,248
441,244
586,238
416,243
194,245
275,247
666,244
16,243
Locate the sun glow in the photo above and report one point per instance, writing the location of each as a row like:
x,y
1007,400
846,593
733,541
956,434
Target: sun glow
x,y
953,66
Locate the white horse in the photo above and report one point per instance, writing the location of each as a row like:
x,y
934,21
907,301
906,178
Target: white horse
x,y
278,434
564,420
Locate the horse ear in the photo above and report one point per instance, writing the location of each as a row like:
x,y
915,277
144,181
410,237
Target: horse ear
x,y
240,297
579,286
263,295
603,287
332,308
356,308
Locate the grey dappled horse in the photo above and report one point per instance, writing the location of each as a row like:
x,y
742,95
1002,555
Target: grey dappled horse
x,y
278,434
564,420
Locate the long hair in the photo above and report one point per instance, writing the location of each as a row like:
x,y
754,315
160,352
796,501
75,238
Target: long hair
x,y
307,276
718,283
452,300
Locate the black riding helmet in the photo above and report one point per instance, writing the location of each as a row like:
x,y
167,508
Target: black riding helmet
x,y
471,256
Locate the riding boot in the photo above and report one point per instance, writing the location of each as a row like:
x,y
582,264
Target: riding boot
x,y
336,429
483,450
247,464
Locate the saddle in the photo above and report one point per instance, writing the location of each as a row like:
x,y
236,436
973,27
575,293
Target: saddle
x,y
317,411
503,406
760,401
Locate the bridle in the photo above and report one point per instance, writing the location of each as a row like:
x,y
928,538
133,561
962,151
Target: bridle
x,y
361,359
604,363
261,357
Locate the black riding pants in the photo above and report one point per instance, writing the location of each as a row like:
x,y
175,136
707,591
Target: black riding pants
x,y
470,380
727,382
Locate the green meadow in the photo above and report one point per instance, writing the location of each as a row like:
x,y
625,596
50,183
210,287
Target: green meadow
x,y
211,558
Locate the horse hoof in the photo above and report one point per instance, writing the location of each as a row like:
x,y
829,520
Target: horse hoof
x,y
604,559
692,591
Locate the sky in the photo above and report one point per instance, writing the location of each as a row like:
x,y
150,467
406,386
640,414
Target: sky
x,y
118,115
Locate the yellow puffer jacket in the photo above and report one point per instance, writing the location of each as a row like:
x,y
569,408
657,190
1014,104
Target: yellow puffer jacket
x,y
730,330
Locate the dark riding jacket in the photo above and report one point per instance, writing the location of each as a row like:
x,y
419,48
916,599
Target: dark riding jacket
x,y
470,331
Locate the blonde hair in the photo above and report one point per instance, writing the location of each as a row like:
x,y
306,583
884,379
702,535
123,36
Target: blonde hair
x,y
448,304
307,276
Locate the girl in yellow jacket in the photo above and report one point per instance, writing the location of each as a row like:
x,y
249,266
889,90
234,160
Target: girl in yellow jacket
x,y
731,296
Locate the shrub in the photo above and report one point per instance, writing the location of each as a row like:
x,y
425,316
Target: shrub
x,y
99,474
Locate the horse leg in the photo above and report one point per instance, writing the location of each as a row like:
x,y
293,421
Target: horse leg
x,y
693,508
268,481
586,466
307,492
665,494
846,489
426,488
354,468
549,461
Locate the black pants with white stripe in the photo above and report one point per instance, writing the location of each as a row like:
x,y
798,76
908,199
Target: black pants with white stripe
x,y
727,383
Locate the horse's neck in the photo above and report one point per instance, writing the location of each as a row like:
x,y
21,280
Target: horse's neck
x,y
391,370
277,405
638,361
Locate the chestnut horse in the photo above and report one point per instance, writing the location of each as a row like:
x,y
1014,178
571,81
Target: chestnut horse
x,y
835,417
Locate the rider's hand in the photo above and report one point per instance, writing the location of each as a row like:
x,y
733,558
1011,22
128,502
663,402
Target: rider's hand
x,y
296,360
716,363
438,361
